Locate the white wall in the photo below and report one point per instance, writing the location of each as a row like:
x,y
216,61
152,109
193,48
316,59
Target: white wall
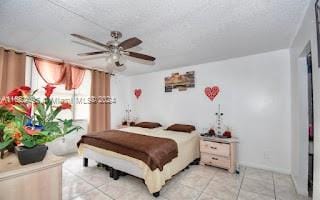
x,y
120,90
305,34
255,97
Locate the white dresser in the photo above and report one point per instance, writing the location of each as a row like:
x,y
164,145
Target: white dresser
x,y
219,152
36,181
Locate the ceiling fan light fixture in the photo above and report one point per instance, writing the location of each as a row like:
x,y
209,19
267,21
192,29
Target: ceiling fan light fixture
x,y
114,50
115,56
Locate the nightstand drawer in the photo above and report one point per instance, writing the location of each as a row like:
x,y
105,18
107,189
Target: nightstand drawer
x,y
215,160
216,148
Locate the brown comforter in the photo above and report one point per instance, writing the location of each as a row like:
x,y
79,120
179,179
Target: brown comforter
x,y
154,151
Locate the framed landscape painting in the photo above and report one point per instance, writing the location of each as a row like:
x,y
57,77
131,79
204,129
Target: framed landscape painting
x,y
179,81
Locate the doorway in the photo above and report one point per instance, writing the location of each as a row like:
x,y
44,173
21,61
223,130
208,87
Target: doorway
x,y
310,124
303,170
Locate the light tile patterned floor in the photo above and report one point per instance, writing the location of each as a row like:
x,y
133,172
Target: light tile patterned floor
x,y
196,183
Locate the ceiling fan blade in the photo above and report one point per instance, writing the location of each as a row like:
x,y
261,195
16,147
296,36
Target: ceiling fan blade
x,y
129,43
139,55
92,53
89,40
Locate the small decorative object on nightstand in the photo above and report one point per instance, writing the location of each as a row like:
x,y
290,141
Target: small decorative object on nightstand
x,y
127,120
126,124
128,111
219,129
219,152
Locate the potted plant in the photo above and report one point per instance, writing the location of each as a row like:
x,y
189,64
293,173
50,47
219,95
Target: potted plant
x,y
5,117
33,123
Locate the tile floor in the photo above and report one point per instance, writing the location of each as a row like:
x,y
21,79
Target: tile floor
x,y
197,182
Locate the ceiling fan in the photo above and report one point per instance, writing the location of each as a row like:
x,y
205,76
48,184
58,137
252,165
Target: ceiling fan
x,y
116,49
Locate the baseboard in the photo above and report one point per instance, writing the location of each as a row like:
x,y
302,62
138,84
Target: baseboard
x,y
273,169
299,189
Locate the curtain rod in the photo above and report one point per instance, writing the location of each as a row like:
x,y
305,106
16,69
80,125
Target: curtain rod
x,y
56,60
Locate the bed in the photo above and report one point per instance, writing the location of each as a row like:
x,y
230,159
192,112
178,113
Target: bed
x,y
188,152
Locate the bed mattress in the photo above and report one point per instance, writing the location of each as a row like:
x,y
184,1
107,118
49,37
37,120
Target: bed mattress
x,y
188,151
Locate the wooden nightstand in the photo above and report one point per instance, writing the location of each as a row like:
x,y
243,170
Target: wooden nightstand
x,y
219,152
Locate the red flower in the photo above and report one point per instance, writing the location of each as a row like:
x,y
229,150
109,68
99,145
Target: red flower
x,y
49,89
17,136
65,105
3,101
25,90
14,93
10,100
21,91
7,104
30,131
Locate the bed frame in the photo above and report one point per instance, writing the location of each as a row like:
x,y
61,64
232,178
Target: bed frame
x,y
118,167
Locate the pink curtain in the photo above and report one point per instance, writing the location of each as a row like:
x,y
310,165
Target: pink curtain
x,y
51,72
60,73
73,77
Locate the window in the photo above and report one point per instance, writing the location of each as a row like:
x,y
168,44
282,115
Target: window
x,y
80,110
81,95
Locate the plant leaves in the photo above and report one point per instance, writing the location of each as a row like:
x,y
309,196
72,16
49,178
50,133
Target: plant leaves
x,y
41,111
52,127
34,92
67,122
48,103
19,108
2,126
46,133
6,143
54,114
28,141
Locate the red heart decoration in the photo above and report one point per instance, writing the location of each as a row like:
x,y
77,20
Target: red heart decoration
x,y
211,92
137,92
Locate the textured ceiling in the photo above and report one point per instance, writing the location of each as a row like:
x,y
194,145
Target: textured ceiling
x,y
177,32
